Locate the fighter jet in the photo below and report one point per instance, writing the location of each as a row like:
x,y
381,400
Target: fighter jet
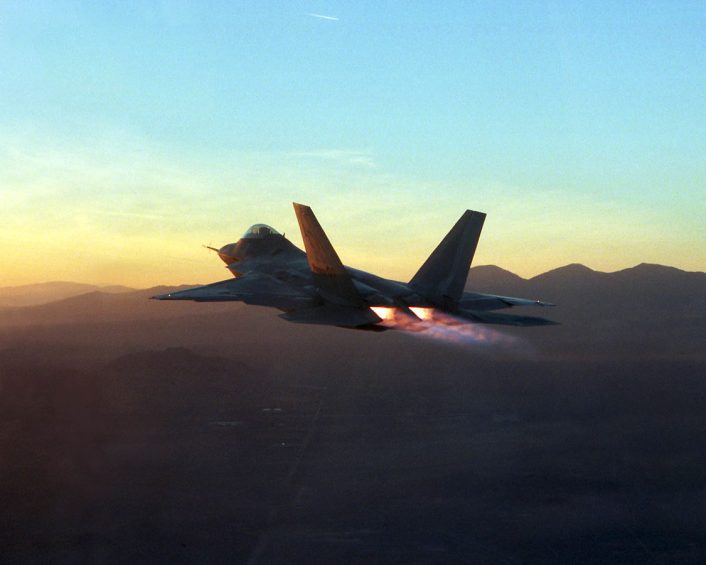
x,y
314,287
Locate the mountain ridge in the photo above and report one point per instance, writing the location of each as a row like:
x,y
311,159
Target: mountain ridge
x,y
574,272
34,294
107,306
479,270
577,290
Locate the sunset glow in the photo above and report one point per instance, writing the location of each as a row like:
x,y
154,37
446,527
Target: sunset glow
x,y
132,134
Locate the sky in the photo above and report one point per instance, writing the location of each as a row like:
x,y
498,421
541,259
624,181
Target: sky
x,y
133,132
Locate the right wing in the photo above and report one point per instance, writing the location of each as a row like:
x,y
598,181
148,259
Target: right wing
x,y
254,288
478,301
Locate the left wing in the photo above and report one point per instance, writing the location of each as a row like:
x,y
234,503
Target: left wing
x,y
254,288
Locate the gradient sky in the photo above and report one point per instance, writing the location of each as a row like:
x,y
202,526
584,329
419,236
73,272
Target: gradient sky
x,y
133,132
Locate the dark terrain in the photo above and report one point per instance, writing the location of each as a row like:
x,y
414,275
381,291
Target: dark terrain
x,y
142,431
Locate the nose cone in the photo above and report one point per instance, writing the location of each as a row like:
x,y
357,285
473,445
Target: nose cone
x,y
227,254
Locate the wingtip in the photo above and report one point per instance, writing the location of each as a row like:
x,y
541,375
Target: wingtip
x,y
165,296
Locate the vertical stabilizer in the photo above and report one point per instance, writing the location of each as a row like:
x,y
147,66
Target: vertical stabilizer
x,y
333,281
443,275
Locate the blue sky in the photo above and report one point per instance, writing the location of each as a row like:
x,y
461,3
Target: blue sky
x,y
148,128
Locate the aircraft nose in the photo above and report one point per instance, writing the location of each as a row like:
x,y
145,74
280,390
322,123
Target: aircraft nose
x,y
226,254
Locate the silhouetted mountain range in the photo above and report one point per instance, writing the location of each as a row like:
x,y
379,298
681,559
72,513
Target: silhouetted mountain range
x,y
577,288
642,276
41,293
97,305
647,309
644,291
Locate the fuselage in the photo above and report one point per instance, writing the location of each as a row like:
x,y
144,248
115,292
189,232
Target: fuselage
x,y
273,254
314,287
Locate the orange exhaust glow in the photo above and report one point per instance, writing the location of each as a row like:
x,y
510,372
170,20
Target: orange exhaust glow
x,y
384,312
438,325
422,313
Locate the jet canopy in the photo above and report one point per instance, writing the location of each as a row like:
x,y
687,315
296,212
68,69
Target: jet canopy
x,y
259,231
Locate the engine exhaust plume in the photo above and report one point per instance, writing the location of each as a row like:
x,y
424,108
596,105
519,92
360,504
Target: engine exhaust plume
x,y
435,324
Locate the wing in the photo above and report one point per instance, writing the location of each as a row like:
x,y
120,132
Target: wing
x,y
477,301
503,319
254,288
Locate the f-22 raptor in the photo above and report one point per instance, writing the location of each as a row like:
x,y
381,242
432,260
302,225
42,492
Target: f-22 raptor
x,y
314,287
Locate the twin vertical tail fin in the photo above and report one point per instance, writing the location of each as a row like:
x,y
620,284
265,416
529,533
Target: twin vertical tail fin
x,y
332,280
342,303
442,277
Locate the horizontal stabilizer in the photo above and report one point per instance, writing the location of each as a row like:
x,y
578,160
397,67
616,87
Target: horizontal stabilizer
x,y
332,280
333,315
503,319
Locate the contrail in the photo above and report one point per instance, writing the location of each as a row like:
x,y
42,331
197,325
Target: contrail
x,y
322,17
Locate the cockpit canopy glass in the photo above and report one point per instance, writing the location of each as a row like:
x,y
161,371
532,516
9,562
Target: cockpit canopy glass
x,y
258,231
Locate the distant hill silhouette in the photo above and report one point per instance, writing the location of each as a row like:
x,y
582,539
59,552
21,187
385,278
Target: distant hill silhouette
x,y
646,309
42,293
493,279
576,287
96,306
634,292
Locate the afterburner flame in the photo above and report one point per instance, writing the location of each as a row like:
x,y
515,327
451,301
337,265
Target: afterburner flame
x,y
435,324
422,313
384,312
438,325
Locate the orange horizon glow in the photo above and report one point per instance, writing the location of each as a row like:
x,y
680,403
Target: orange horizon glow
x,y
115,169
123,233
